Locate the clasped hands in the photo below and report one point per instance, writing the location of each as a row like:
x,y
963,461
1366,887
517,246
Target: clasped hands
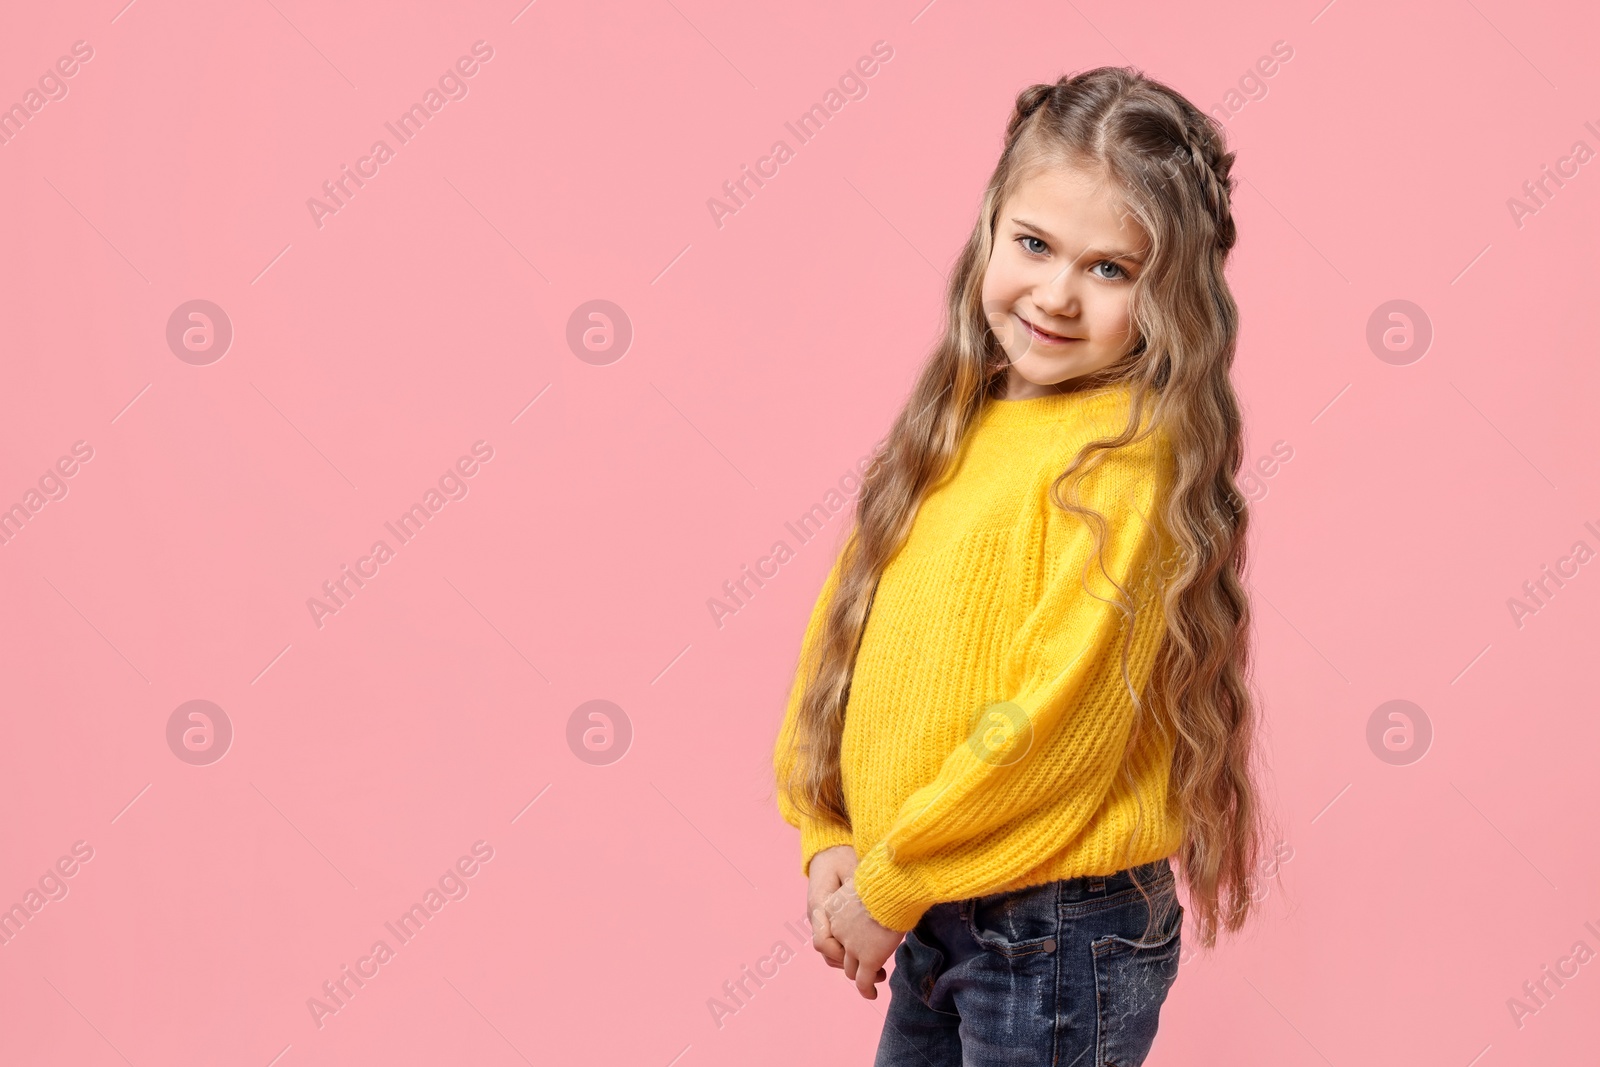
x,y
841,928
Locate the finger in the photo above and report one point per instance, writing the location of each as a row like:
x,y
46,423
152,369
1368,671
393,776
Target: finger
x,y
869,989
851,964
823,941
831,947
865,983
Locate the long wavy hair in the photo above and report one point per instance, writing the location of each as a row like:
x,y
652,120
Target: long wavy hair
x,y
1170,165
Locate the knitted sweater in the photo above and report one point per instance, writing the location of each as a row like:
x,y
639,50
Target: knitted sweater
x,y
985,732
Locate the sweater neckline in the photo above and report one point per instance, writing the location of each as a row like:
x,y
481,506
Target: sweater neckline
x,y
1055,407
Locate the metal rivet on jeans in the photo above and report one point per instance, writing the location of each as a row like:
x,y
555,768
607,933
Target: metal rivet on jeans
x,y
1050,945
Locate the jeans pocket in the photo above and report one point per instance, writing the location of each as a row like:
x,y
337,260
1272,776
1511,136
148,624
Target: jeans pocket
x,y
1132,976
1023,922
920,959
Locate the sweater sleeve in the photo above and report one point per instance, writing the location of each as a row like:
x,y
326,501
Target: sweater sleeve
x,y
815,834
1038,765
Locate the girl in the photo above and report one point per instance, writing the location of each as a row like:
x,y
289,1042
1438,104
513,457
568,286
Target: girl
x,y
1023,688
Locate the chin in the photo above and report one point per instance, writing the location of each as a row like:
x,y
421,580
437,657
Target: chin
x,y
1045,377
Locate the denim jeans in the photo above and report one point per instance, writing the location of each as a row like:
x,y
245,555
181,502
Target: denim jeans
x,y
1062,974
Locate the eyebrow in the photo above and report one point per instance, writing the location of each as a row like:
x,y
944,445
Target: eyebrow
x,y
1108,253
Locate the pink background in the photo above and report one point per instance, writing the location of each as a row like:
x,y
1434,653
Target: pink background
x,y
768,356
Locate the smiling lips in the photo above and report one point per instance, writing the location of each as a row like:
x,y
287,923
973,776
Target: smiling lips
x,y
1045,337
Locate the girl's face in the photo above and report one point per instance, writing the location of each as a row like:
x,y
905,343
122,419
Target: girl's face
x,y
1056,290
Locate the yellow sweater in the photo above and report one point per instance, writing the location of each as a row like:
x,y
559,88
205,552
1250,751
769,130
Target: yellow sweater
x,y
987,719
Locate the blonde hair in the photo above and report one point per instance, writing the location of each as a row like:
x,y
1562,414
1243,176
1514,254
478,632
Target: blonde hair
x,y
1167,160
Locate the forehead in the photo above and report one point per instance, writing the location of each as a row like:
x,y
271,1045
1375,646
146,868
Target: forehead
x,y
1074,202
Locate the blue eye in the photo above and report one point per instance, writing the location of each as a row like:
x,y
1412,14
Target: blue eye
x,y
1029,237
1107,263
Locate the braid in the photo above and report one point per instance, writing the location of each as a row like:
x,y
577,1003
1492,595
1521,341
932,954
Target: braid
x,y
1212,167
1028,101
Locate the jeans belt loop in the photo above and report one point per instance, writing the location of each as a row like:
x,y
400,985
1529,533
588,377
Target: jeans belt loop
x,y
1097,883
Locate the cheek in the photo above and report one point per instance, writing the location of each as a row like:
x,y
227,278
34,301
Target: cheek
x,y
1111,318
1004,278
991,284
997,297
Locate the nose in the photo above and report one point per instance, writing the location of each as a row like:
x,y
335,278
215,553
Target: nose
x,y
1058,294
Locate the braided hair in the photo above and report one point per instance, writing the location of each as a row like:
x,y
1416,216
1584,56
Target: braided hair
x,y
1211,161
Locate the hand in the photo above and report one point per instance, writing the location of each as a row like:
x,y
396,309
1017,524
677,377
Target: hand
x,y
823,941
868,944
829,869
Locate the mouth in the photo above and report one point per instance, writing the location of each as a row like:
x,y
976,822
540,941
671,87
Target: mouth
x,y
1044,336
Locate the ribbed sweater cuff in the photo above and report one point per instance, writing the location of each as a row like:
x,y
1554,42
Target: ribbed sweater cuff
x,y
892,895
816,836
